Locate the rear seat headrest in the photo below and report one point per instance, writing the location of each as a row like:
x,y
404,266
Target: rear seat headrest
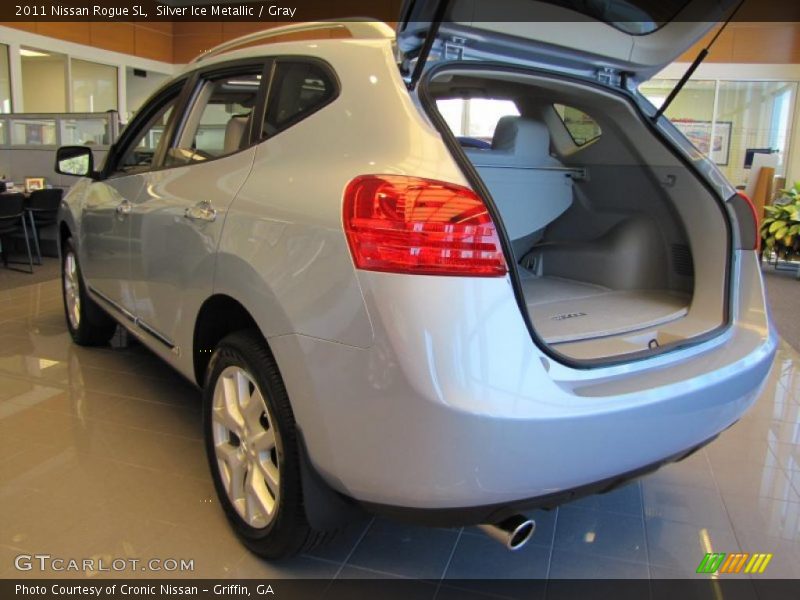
x,y
523,137
235,131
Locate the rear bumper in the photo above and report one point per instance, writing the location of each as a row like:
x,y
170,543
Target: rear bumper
x,y
495,513
455,411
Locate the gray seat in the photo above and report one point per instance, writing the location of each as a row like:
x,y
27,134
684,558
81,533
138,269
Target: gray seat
x,y
530,187
235,131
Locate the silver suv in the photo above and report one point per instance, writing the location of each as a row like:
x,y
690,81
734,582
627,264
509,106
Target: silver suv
x,y
387,310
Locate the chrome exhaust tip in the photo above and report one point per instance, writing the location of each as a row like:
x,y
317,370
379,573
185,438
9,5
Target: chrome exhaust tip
x,y
513,533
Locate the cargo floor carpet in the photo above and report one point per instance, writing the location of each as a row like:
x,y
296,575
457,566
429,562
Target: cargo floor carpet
x,y
564,310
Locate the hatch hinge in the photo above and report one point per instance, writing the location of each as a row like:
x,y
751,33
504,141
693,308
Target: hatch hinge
x,y
610,76
454,48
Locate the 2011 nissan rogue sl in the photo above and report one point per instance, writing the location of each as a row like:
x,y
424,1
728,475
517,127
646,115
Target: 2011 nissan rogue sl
x,y
389,303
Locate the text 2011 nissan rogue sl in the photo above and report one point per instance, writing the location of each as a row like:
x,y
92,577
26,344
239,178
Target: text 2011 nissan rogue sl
x,y
385,310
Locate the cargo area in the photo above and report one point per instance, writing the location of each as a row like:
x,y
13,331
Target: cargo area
x,y
618,245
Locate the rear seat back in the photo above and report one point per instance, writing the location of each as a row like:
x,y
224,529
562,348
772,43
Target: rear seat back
x,y
530,187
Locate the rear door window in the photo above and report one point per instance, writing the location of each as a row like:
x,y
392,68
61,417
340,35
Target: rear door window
x,y
220,119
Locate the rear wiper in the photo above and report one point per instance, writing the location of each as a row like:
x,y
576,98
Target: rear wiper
x,y
693,67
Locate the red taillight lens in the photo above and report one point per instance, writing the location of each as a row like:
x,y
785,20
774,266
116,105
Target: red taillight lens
x,y
411,225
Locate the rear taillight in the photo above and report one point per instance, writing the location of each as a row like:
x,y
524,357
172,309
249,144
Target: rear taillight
x,y
747,216
404,224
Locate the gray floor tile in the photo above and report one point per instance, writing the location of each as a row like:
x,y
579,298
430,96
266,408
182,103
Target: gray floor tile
x,y
626,499
685,504
681,546
695,474
572,565
727,450
254,567
600,533
405,550
343,544
481,557
743,480
794,478
775,518
787,453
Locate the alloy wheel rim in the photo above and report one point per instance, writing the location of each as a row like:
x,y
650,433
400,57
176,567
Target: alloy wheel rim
x,y
246,447
72,290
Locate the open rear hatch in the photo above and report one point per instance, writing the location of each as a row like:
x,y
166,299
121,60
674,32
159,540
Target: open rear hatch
x,y
618,245
634,37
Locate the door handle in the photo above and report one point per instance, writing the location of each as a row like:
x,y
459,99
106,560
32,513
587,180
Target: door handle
x,y
202,211
124,208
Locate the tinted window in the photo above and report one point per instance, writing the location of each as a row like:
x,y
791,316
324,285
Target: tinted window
x,y
298,89
140,152
581,127
631,16
220,118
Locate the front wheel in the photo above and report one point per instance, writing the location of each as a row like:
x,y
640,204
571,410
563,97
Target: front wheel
x,y
88,324
251,446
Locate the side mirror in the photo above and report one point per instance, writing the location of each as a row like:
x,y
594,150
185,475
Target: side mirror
x,y
77,161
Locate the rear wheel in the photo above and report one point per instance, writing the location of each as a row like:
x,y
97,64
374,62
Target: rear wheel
x,y
88,324
251,446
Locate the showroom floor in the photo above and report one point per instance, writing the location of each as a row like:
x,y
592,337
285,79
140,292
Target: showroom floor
x,y
101,456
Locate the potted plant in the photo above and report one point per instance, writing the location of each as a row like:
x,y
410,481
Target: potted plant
x,y
780,229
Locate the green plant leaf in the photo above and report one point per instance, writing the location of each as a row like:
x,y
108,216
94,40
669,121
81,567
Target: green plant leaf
x,y
776,225
781,233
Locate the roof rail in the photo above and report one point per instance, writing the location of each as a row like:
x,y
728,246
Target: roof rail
x,y
361,29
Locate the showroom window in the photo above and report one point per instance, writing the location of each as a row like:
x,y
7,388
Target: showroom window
x,y
475,117
33,132
298,89
219,122
732,120
5,81
44,77
82,131
94,86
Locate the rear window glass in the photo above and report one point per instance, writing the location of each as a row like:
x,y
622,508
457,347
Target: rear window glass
x,y
636,17
581,127
475,118
298,89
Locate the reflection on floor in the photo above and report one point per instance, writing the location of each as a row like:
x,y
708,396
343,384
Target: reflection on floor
x,y
101,456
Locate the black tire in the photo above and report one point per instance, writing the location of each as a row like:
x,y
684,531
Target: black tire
x,y
94,327
288,532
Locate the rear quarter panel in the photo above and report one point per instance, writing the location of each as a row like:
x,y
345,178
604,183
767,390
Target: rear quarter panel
x,y
283,253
